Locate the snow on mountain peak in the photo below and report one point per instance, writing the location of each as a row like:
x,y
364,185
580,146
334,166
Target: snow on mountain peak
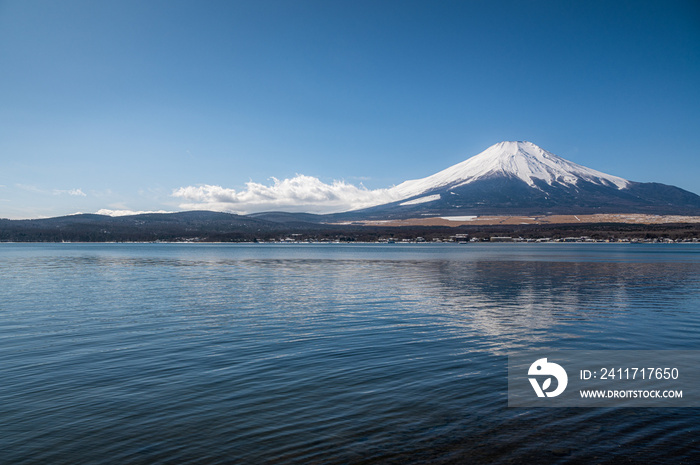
x,y
516,159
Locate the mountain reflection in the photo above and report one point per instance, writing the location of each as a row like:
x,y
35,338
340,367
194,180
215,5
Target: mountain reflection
x,y
523,303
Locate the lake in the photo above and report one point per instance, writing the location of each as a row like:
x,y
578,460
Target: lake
x,y
329,353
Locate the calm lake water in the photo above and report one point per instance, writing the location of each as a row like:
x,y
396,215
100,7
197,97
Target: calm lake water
x,y
304,354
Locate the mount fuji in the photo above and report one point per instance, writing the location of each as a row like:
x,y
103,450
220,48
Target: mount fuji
x,y
520,178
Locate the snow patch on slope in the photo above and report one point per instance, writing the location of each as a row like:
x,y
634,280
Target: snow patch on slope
x,y
459,218
108,212
427,198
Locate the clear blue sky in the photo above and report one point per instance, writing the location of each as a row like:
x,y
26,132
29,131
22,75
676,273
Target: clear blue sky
x,y
118,104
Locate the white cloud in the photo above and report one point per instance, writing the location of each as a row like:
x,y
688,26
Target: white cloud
x,y
105,211
300,193
35,189
30,188
76,192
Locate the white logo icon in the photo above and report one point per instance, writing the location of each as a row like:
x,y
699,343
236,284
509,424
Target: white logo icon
x,y
542,367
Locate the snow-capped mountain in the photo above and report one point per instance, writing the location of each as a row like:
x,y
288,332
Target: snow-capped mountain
x,y
521,160
520,178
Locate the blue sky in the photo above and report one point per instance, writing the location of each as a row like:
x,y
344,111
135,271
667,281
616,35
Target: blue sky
x,y
119,105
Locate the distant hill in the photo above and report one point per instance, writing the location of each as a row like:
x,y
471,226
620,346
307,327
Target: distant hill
x,y
144,227
287,218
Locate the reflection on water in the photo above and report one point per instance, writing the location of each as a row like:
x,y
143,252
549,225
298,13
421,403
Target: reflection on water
x,y
526,304
328,354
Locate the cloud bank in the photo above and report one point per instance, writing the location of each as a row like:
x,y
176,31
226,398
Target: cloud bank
x,y
300,193
75,192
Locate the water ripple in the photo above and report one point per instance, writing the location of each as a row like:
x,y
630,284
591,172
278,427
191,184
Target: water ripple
x,y
328,354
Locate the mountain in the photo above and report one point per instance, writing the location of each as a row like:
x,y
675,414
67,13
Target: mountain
x,y
520,178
